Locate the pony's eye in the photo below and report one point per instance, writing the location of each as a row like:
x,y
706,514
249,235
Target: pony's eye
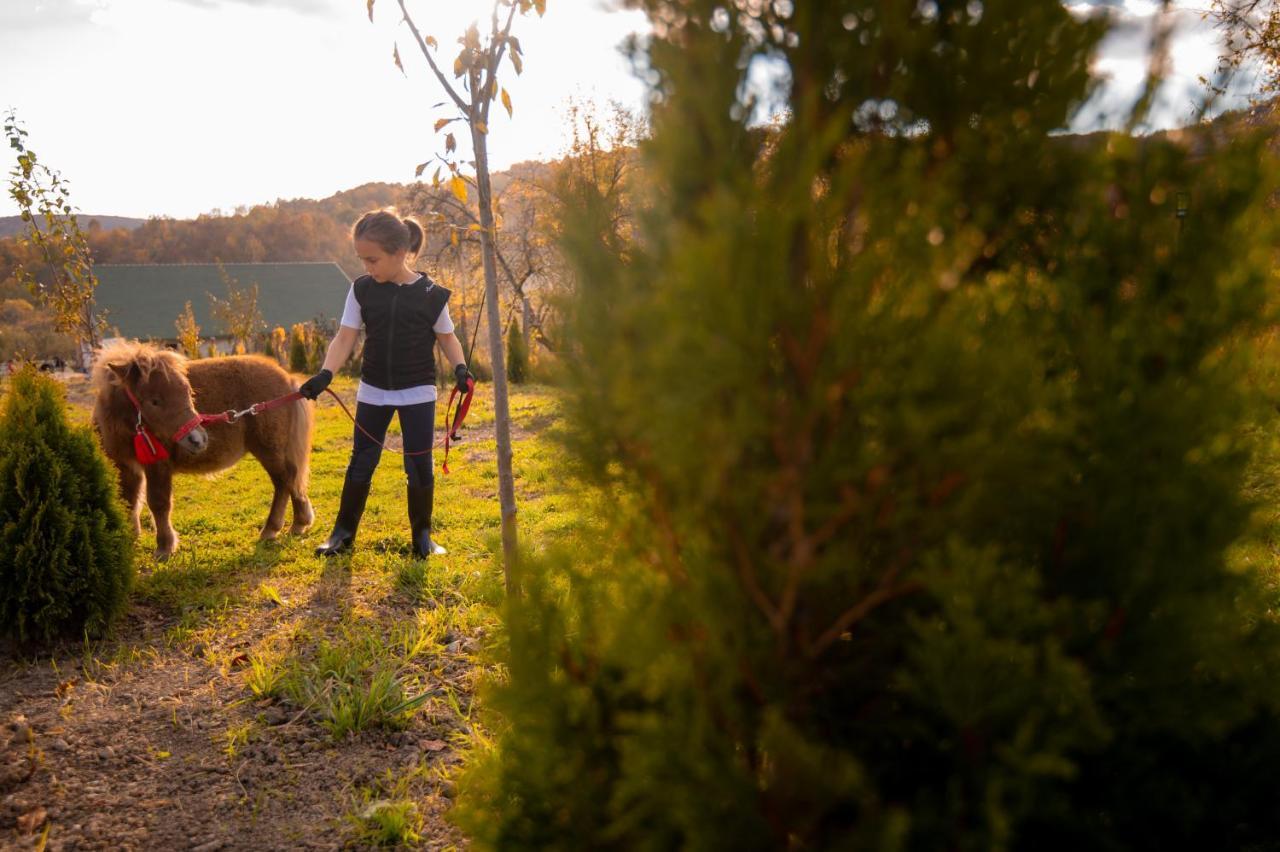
x,y
156,403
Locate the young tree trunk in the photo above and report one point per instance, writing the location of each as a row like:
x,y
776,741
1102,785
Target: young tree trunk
x,y
501,415
526,321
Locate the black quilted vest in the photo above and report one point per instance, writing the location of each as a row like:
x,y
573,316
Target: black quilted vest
x,y
399,345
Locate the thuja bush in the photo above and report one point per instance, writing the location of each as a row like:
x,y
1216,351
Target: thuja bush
x,y
517,355
66,557
298,349
920,430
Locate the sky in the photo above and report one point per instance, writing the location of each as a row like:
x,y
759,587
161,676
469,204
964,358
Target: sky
x,y
178,107
183,107
1123,58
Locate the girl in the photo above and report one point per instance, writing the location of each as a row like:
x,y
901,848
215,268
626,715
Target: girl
x,y
404,314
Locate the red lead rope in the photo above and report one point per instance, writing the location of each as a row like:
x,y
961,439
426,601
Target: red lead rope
x,y
452,432
463,407
148,448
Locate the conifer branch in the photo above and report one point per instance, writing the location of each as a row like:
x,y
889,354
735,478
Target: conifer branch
x,y
882,595
751,583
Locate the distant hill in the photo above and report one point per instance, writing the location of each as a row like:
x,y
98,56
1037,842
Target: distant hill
x,y
286,230
10,225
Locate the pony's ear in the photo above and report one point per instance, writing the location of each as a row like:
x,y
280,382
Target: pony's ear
x,y
125,374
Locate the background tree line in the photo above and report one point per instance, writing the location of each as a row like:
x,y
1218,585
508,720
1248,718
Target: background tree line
x,y
528,199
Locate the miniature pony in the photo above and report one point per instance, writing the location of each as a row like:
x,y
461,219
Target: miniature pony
x,y
147,393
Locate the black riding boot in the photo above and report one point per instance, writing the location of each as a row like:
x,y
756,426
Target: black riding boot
x,y
419,498
350,508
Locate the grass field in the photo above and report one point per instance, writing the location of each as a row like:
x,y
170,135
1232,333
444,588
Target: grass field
x,y
258,696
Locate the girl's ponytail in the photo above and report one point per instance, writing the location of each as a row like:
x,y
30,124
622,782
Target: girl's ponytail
x,y
416,236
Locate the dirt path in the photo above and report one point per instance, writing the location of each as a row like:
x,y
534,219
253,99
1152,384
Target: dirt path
x,y
135,755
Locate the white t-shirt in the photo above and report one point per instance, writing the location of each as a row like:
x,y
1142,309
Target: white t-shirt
x,y
368,394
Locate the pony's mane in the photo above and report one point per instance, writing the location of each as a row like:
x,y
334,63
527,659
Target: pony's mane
x,y
146,357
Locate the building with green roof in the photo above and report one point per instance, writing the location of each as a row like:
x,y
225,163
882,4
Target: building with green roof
x,y
144,300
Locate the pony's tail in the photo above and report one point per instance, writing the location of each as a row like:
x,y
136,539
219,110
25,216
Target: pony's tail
x,y
298,451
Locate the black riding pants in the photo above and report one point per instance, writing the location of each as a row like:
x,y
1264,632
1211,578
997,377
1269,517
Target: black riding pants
x,y
417,427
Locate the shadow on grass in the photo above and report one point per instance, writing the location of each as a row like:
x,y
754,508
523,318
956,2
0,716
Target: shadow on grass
x,y
192,582
332,592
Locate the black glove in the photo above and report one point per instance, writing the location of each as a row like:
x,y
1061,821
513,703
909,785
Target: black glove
x,y
460,376
313,386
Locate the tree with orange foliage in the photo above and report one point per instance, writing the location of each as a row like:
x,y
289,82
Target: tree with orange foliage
x,y
475,70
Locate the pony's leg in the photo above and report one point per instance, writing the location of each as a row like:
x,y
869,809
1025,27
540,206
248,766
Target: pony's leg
x,y
131,491
279,502
295,486
303,514
160,502
286,492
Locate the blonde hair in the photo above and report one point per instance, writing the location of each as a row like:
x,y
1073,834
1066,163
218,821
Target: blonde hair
x,y
112,363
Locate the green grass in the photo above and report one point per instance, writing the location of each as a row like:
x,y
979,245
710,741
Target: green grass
x,y
384,814
221,566
347,686
373,640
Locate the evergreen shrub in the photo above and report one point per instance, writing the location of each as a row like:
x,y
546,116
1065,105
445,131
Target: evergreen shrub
x,y
66,550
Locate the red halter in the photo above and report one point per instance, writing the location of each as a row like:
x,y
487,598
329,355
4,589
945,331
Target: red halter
x,y
147,447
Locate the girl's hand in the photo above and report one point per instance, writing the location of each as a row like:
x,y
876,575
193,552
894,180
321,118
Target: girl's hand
x,y
313,386
460,376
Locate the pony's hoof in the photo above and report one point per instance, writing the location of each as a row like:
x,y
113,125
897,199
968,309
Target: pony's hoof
x,y
268,535
162,555
303,520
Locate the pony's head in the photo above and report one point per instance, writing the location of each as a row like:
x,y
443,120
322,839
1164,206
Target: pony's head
x,y
157,380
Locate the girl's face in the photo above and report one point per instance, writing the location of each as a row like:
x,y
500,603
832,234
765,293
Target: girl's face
x,y
382,266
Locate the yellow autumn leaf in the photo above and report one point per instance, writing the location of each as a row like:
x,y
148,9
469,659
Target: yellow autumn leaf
x,y
441,122
449,143
458,187
395,53
506,101
453,237
474,226
431,42
482,127
420,169
370,2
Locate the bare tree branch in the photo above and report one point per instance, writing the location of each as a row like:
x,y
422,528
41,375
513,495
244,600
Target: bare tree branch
x,y
422,44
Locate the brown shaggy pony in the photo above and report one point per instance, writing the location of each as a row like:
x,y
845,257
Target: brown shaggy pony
x,y
171,390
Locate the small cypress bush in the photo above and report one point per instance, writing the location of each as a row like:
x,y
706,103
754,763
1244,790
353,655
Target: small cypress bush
x,y
317,346
298,362
517,356
66,552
